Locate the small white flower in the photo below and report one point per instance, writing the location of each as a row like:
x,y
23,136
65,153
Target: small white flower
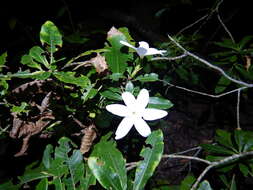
x,y
135,113
144,49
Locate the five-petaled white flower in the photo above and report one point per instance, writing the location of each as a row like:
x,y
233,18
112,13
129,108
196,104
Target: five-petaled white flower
x,y
135,113
144,49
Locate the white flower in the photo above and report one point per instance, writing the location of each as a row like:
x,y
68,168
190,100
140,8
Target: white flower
x,y
144,49
135,113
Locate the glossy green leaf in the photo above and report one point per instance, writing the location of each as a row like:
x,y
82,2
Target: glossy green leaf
x,y
50,35
151,158
31,175
70,78
204,186
108,165
42,185
159,103
115,58
148,77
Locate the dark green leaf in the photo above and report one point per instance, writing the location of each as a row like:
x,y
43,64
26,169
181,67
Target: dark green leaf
x,y
116,76
217,149
148,77
159,103
224,138
222,84
244,41
187,182
9,186
37,54
151,158
233,184
244,169
70,78
88,180
244,140
108,165
50,35
111,95
2,60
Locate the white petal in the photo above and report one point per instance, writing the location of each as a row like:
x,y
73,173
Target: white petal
x,y
129,99
143,98
143,45
153,51
124,127
141,51
142,127
150,114
127,44
118,109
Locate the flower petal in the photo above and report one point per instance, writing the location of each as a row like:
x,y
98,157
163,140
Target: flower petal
x,y
153,51
142,127
150,114
127,44
141,51
118,109
143,98
144,45
124,127
129,99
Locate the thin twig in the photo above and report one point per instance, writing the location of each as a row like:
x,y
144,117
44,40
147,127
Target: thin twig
x,y
186,157
169,58
238,109
225,28
203,93
210,65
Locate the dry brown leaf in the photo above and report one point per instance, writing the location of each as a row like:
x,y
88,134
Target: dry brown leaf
x,y
89,136
99,63
248,62
113,32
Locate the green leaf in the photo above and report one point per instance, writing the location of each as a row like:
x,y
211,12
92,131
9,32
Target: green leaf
x,y
28,60
129,87
187,182
111,95
70,78
244,41
108,165
151,158
9,186
233,184
47,158
50,35
88,180
159,103
20,109
216,149
116,59
224,138
37,54
244,140
31,175
222,84
42,185
148,77
244,169
2,60
116,76
204,186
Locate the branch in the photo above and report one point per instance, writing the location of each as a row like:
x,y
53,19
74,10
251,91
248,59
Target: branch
x,y
210,65
186,157
218,163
